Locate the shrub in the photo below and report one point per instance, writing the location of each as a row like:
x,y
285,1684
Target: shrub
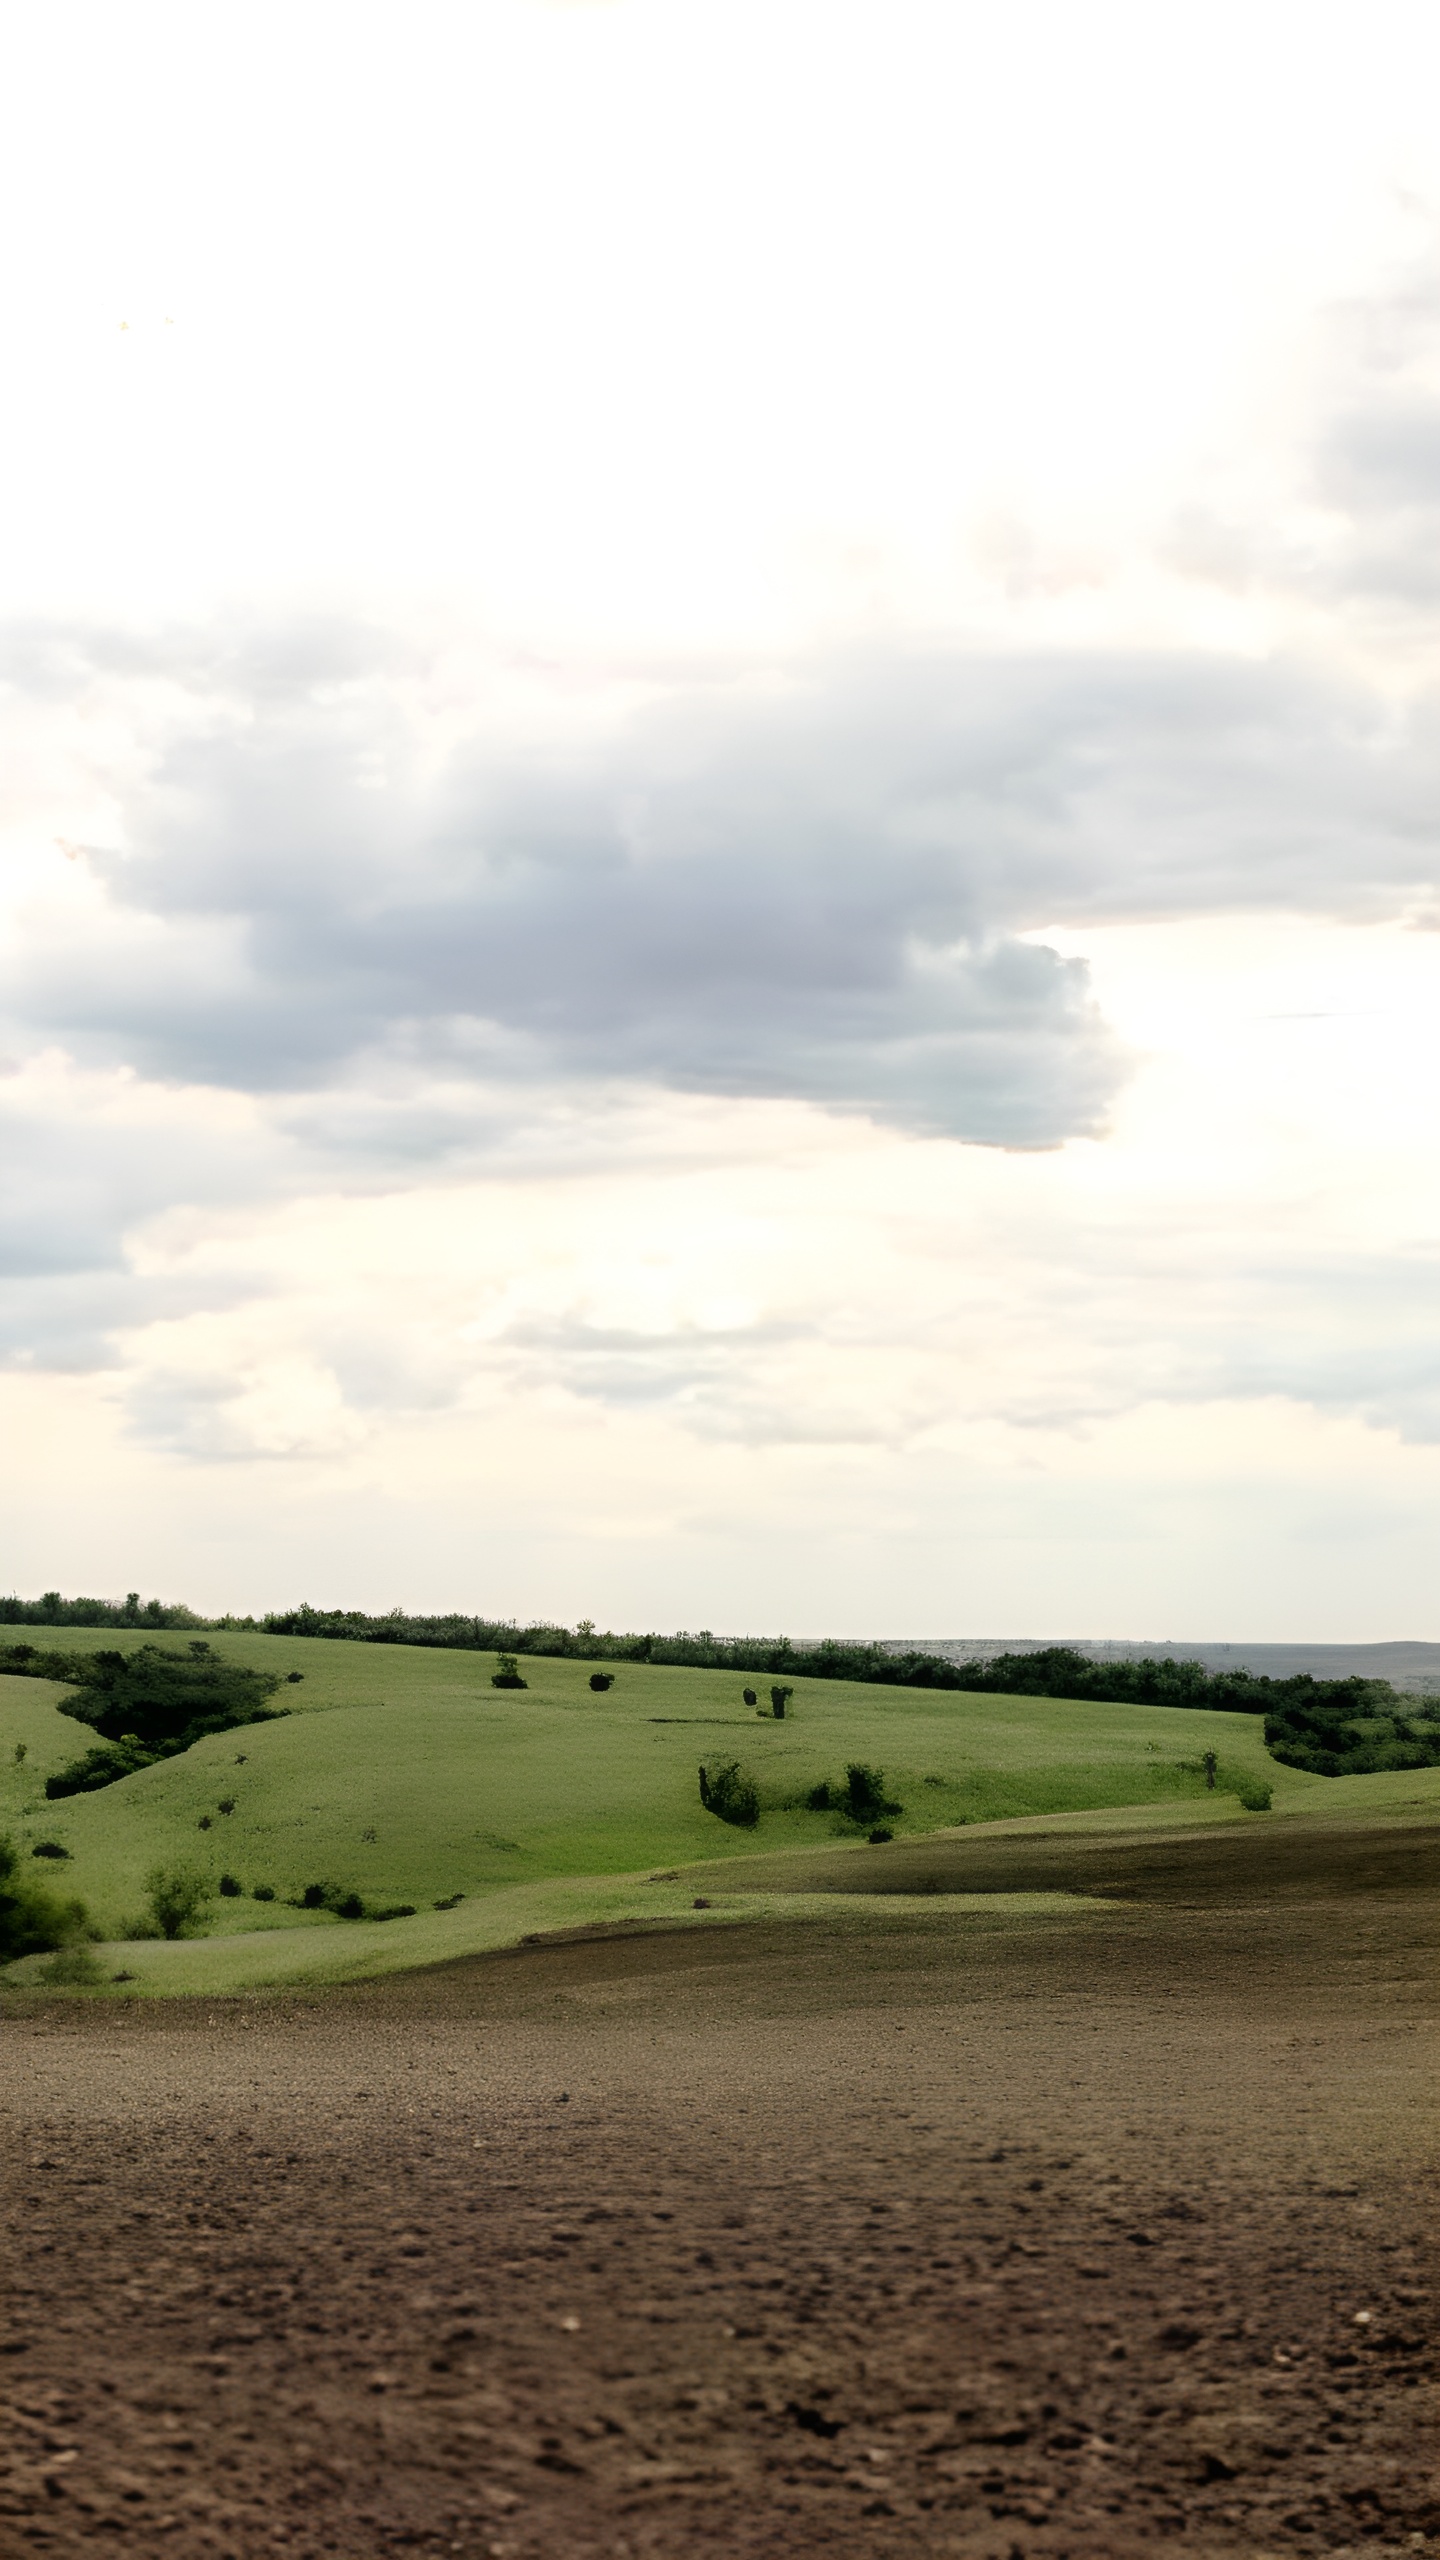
x,y
730,1793
601,1680
226,1805
100,1766
865,1793
749,1697
875,1837
819,1798
508,1675
49,1849
779,1700
263,1893
315,1897
32,1918
74,1967
231,1886
177,1897
1254,1794
349,1907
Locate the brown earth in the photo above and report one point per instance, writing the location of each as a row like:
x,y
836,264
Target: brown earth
x,y
1092,2234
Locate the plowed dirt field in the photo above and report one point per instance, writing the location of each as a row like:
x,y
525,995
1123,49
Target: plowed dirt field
x,y
1095,2235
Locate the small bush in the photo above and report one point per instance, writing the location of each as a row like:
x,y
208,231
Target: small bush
x,y
875,1837
177,1897
730,1793
226,1805
315,1897
263,1893
865,1793
779,1701
1254,1794
231,1886
204,1822
32,1918
293,1676
74,1967
22,1753
49,1849
349,1907
508,1675
819,1798
602,1679
749,1697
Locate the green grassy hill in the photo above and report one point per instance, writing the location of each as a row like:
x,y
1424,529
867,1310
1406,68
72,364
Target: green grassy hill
x,y
404,1776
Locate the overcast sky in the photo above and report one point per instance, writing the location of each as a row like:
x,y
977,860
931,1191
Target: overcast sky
x,y
720,799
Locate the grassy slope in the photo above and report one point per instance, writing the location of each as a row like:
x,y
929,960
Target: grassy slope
x,y
472,1790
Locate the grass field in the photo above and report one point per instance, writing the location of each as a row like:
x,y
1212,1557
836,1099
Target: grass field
x,y
404,1776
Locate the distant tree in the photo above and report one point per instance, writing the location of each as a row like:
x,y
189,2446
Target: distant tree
x,y
780,1700
177,1897
1211,1762
508,1675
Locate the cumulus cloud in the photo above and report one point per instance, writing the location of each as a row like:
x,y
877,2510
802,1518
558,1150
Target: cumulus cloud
x,y
823,884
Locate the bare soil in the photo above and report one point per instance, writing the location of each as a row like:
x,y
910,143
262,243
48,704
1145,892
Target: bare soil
x,y
1089,2236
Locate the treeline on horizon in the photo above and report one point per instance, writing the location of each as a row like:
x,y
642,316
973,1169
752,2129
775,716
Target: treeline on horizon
x,y
1333,1728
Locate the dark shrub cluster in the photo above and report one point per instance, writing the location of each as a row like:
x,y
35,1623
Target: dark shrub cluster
x,y
32,1918
602,1680
508,1675
862,1798
730,1793
347,1904
146,1705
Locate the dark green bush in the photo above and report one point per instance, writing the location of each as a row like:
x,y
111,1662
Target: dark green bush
x,y
101,1765
819,1799
779,1700
749,1697
602,1679
730,1793
146,1706
508,1675
1254,1793
231,1886
32,1918
865,1793
263,1893
177,1897
880,1833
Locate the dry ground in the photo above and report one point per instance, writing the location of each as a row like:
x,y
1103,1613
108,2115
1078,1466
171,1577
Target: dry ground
x,y
1098,2236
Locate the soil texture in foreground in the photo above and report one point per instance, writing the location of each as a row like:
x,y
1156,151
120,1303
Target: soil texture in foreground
x,y
1094,2235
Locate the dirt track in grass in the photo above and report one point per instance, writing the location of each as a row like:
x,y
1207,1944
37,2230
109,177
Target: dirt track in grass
x,y
945,2235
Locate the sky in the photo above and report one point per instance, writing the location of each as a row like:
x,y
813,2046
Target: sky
x,y
719,743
